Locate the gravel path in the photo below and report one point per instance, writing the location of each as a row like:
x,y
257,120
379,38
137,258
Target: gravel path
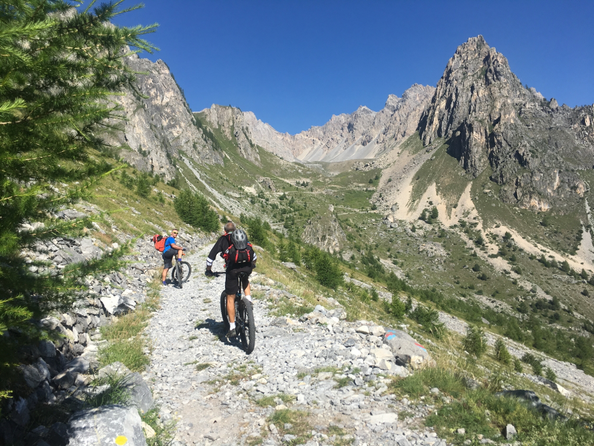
x,y
345,403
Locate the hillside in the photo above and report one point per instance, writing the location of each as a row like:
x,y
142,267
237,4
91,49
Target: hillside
x,y
456,208
477,190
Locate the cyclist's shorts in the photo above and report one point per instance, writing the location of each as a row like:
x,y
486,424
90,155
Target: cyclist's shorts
x,y
168,257
231,278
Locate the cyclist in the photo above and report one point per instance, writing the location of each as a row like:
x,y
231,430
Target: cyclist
x,y
171,249
228,245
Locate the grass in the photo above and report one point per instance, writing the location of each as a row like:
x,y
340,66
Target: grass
x,y
480,412
292,422
165,432
443,170
126,342
202,366
116,393
272,400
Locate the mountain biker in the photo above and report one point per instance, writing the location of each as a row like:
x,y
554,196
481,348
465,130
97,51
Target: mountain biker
x,y
232,239
171,249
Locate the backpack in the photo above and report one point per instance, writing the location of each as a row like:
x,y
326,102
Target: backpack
x,y
159,242
232,255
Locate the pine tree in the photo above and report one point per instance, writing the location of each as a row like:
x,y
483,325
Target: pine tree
x,y
59,70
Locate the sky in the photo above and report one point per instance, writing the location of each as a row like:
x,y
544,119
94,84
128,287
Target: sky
x,y
295,63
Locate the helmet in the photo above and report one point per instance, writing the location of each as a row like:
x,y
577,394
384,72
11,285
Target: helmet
x,y
239,239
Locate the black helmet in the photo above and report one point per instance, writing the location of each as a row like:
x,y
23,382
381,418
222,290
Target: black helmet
x,y
239,239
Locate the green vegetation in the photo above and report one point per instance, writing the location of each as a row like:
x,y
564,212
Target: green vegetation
x,y
194,210
443,170
126,342
324,265
293,422
481,412
501,352
54,98
475,341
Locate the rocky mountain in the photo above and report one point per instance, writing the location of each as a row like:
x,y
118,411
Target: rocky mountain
x,y
489,120
364,134
158,124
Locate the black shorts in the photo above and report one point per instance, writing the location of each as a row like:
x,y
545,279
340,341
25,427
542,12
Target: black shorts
x,y
168,258
231,278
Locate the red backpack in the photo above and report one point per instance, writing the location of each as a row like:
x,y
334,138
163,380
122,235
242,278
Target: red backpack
x,y
159,242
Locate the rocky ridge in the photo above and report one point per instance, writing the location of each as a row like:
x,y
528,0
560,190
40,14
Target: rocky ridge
x,y
158,125
362,134
490,120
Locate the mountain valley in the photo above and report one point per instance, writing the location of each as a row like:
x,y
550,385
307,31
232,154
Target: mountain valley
x,y
459,207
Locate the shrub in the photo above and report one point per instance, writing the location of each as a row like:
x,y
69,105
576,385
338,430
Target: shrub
x,y
429,320
325,267
194,210
518,365
475,341
550,375
374,295
501,352
531,360
294,253
397,307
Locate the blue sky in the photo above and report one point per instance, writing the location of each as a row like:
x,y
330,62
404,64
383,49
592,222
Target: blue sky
x,y
296,63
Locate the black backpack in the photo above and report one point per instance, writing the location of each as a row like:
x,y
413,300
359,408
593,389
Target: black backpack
x,y
239,256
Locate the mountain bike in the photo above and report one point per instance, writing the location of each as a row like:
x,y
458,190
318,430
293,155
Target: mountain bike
x,y
245,325
181,271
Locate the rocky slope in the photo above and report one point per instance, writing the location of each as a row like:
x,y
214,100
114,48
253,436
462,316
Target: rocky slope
x,y
158,125
363,134
490,120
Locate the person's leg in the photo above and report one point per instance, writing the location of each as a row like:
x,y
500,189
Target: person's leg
x,y
167,255
179,253
231,308
247,292
246,285
231,290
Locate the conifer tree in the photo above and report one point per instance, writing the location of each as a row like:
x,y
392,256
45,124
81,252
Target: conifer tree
x,y
60,65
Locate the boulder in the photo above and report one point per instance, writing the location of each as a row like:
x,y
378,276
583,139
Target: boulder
x,y
140,394
113,369
382,418
78,365
406,350
106,426
35,373
65,380
47,349
110,303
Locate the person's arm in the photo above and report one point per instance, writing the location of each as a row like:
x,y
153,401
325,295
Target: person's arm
x,y
176,247
213,255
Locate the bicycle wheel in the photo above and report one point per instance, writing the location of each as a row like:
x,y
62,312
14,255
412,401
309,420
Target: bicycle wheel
x,y
247,327
224,311
178,274
185,270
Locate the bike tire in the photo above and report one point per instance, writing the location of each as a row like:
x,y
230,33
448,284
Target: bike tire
x,y
247,330
181,269
224,311
186,270
178,274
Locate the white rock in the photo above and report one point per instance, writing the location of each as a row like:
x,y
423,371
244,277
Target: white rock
x,y
383,418
364,329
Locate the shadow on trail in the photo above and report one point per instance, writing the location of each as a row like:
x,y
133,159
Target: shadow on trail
x,y
217,328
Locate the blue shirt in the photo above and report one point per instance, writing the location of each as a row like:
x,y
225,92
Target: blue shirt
x,y
168,243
